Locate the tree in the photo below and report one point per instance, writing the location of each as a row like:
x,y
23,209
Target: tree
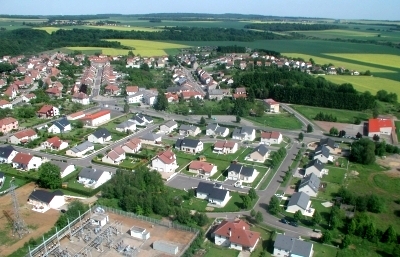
x,y
326,236
375,112
359,135
389,236
346,242
342,133
145,67
351,228
370,231
161,103
363,151
238,119
375,138
301,136
259,217
246,201
297,215
252,213
209,115
79,124
334,131
273,206
310,128
316,218
49,176
374,204
357,121
126,108
396,251
252,194
202,120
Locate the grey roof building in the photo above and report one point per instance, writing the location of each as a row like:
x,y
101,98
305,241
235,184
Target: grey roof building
x,y
150,137
312,181
240,169
213,191
315,163
44,196
299,199
125,125
101,133
187,142
322,149
186,127
328,142
170,123
261,149
242,132
6,151
61,123
292,246
92,174
82,147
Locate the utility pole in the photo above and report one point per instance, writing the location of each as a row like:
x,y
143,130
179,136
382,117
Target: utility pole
x,y
19,226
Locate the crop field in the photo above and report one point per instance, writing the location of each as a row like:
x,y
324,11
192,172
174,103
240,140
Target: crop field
x,y
389,60
50,29
150,48
353,34
125,28
103,50
365,83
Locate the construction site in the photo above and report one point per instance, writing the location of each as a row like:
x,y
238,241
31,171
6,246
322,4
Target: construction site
x,y
103,231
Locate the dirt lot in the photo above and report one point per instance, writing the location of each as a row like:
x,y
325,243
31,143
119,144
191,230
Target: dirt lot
x,y
351,129
176,237
393,162
38,223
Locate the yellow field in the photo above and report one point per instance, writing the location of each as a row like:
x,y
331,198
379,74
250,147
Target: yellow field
x,y
147,47
347,65
124,28
380,59
103,50
364,83
340,32
49,29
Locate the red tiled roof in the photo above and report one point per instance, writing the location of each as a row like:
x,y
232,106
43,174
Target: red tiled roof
x,y
118,150
22,158
80,95
55,141
188,94
268,135
96,115
238,233
198,165
112,88
270,101
4,102
76,114
133,89
54,91
239,96
30,96
224,144
25,133
45,108
166,157
375,125
7,121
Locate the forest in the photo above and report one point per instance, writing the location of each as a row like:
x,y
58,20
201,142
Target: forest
x,y
299,88
290,26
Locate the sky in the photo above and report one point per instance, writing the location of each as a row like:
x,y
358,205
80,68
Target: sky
x,y
338,9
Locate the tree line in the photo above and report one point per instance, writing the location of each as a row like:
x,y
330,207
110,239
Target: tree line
x,y
290,26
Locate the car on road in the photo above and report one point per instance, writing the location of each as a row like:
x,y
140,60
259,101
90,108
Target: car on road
x,y
238,184
294,224
284,221
317,230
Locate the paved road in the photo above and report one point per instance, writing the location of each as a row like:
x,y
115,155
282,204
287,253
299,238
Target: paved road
x,y
189,76
97,83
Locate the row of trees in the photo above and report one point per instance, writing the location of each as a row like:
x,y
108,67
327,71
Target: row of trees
x,y
290,26
371,203
364,150
325,117
277,157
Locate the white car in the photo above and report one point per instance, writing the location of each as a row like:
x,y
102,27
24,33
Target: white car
x,y
238,184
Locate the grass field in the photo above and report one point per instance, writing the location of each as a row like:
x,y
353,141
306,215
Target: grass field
x,y
343,116
50,29
151,48
389,60
103,50
283,121
124,28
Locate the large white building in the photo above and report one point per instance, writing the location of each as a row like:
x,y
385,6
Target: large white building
x,y
97,118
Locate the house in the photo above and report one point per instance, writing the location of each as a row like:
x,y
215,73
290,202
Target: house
x,y
48,111
55,143
189,130
28,97
59,126
315,166
43,200
65,167
93,177
213,129
76,115
141,119
150,97
7,154
81,98
310,185
169,126
151,139
23,136
290,246
236,235
218,94
126,126
259,154
80,150
97,118
114,156
187,95
271,138
132,146
271,105
165,162
244,133
322,154
241,173
214,193
189,145
7,124
5,104
100,136
26,161
299,201
240,92
112,90
225,147
380,127
330,144
131,90
202,168
135,98
54,92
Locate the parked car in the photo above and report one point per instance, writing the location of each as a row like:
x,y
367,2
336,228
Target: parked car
x,y
238,184
317,230
294,224
284,221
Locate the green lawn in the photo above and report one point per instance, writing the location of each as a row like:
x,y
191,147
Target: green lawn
x,y
28,175
17,182
335,175
282,121
214,250
343,116
321,250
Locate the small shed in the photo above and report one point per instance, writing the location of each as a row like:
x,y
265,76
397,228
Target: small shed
x,y
202,158
166,247
99,219
140,233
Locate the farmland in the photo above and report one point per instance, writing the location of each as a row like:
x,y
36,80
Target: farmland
x,y
388,60
151,48
103,50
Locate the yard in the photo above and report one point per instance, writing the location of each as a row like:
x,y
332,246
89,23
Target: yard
x,y
321,250
281,121
335,175
213,250
17,182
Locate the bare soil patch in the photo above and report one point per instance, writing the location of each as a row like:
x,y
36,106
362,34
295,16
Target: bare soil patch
x,y
393,162
350,129
38,223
